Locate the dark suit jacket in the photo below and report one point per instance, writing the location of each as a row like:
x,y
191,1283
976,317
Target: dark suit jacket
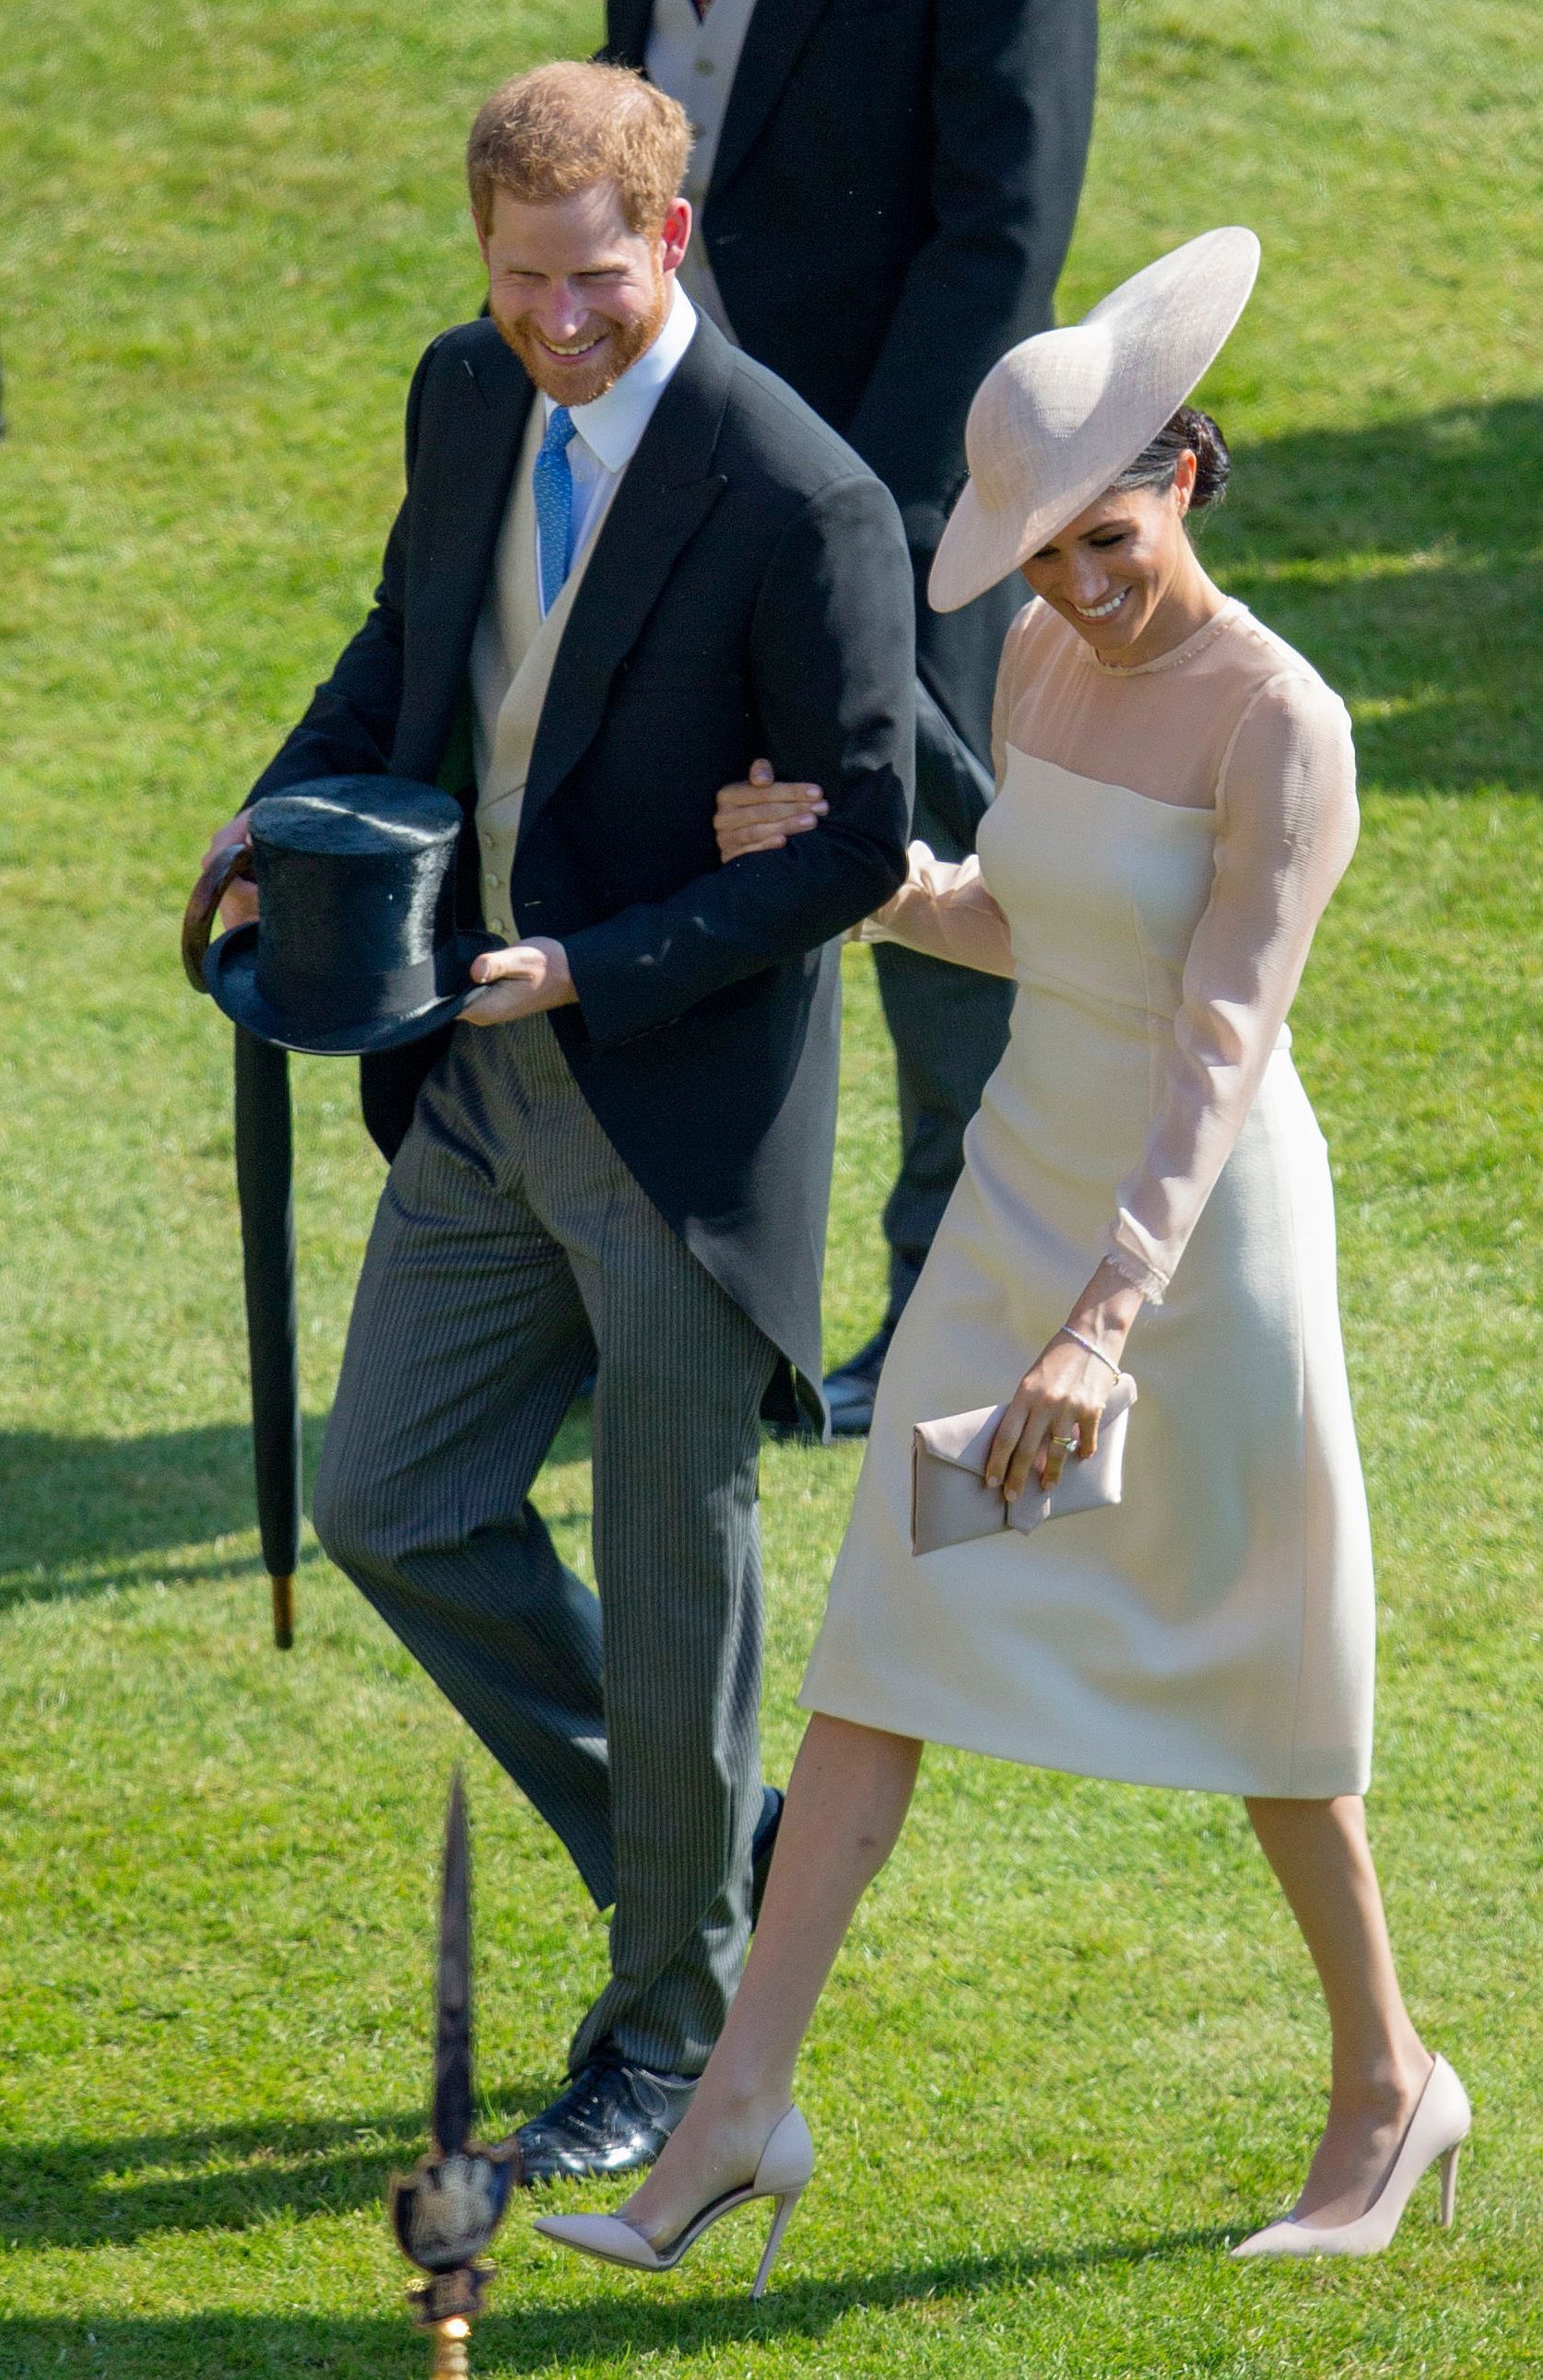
x,y
749,592
889,208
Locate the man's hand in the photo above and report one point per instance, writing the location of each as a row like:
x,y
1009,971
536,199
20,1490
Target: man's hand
x,y
521,981
240,906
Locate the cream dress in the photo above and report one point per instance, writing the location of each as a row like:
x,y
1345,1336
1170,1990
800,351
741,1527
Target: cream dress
x,y
1162,844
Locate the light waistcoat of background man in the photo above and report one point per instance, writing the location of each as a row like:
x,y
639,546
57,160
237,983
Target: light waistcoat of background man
x,y
693,53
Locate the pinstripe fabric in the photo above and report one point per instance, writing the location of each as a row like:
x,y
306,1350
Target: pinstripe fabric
x,y
509,1239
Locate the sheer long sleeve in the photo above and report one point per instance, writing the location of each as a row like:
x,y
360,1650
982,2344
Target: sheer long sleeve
x,y
944,910
1286,826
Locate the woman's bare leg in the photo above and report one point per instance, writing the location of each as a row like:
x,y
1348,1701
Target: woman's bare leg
x,y
847,1801
1319,1852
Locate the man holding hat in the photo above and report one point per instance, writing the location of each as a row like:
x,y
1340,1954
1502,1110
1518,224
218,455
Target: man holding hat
x,y
628,561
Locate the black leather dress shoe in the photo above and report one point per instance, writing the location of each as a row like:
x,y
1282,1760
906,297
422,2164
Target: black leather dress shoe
x,y
611,2119
851,1391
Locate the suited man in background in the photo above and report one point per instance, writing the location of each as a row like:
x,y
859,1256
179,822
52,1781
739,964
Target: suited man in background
x,y
883,193
627,561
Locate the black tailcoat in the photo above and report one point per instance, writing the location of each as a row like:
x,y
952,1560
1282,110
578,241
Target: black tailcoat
x,y
890,205
749,592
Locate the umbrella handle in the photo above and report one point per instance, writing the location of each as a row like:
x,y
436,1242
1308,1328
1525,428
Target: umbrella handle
x,y
452,2360
232,859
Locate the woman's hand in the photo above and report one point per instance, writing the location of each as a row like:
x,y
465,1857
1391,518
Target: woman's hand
x,y
1054,1416
1061,1398
760,815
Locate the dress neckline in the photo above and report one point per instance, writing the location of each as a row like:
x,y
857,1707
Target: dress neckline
x,y
1178,654
1111,785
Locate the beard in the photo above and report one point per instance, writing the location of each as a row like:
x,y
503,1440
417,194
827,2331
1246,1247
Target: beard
x,y
626,342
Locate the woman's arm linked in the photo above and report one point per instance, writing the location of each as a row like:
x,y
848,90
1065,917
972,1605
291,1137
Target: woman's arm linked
x,y
943,909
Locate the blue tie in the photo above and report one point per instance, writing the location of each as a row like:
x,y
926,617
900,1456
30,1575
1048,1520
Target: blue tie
x,y
552,480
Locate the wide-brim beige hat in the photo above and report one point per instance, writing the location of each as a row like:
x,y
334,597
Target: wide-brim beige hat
x,y
1063,414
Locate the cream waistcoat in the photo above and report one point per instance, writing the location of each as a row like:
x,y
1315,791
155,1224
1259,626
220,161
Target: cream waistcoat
x,y
513,654
696,60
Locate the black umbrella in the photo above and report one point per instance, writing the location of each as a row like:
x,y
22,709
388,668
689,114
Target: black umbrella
x,y
359,952
264,1187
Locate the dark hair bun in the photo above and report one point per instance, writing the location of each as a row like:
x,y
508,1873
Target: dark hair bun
x,y
1213,463
1157,463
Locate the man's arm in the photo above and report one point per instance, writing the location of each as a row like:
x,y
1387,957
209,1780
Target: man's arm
x,y
833,668
350,724
1013,110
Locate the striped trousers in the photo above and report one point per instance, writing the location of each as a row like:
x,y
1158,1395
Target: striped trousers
x,y
512,1248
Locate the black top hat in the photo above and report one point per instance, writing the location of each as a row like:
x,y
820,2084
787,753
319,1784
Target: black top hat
x,y
357,947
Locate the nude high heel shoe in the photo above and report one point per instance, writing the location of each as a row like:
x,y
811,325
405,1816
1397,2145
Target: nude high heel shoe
x,y
1437,2131
786,2164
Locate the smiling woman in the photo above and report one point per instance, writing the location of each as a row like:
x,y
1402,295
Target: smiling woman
x,y
1124,572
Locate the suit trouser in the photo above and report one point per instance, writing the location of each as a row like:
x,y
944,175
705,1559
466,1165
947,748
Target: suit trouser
x,y
510,1246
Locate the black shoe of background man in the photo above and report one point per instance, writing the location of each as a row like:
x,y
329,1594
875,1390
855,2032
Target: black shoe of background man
x,y
851,1391
612,2117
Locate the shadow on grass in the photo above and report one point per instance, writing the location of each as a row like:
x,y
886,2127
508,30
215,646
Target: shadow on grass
x,y
86,2193
552,2338
74,1508
72,1502
1404,559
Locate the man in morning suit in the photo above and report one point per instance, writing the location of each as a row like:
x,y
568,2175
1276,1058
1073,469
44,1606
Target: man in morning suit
x,y
884,192
628,560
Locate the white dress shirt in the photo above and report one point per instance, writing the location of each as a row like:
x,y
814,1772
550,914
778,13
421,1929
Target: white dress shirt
x,y
696,61
610,428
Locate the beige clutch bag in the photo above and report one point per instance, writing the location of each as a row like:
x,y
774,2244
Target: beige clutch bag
x,y
950,1503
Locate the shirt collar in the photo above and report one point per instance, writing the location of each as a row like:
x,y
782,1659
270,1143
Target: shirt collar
x,y
614,424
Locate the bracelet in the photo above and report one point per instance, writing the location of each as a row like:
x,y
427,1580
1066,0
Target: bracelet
x,y
1067,1332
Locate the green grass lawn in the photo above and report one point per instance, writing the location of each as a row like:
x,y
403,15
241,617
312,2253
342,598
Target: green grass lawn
x,y
1071,2046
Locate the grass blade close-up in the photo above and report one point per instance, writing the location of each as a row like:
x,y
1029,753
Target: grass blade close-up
x,y
1073,2048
